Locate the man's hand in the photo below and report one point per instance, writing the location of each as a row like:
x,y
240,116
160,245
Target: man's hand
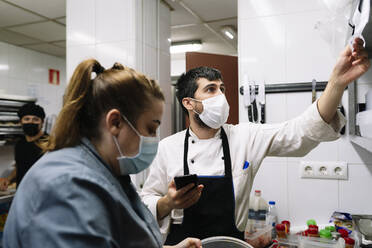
x,y
178,199
184,197
4,182
350,65
187,243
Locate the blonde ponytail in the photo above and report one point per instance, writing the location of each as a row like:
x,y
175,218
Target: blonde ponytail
x,y
86,100
67,131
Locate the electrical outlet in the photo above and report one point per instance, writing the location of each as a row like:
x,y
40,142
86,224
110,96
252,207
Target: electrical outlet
x,y
324,170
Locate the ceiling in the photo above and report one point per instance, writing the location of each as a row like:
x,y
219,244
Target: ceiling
x,y
37,24
196,19
41,24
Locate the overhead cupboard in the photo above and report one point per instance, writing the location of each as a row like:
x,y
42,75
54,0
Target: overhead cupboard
x,y
360,115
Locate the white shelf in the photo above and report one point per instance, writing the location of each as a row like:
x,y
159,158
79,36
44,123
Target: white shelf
x,y
365,143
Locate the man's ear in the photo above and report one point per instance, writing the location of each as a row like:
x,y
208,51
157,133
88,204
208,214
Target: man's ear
x,y
113,121
187,103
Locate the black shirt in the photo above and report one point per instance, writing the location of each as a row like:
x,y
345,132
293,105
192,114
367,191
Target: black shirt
x,y
26,154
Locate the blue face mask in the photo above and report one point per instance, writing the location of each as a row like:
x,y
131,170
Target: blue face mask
x,y
148,147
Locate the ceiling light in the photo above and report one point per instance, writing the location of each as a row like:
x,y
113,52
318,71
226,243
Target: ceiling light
x,y
185,46
229,32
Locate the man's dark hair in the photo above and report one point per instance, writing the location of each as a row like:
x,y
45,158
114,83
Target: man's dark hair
x,y
31,109
186,85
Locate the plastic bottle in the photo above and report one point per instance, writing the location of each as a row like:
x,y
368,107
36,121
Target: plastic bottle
x,y
280,231
257,212
272,217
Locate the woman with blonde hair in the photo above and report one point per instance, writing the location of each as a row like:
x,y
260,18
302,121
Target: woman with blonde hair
x,y
79,194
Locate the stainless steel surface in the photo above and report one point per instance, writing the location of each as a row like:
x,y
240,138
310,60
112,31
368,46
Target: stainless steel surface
x,y
363,224
224,242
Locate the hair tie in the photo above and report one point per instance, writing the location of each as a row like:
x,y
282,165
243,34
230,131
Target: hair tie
x,y
97,68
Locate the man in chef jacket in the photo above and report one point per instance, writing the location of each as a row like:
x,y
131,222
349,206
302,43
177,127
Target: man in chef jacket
x,y
226,157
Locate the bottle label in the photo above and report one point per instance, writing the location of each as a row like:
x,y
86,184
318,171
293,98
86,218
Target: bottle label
x,y
257,215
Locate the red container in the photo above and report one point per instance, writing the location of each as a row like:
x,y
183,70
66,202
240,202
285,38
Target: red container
x,y
349,242
312,232
280,231
343,233
287,225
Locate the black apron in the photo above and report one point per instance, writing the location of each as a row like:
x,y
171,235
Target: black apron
x,y
214,213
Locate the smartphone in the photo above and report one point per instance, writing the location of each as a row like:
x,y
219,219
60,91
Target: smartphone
x,y
182,181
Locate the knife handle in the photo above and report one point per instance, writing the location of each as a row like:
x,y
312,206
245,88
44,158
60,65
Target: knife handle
x,y
250,113
255,111
342,110
262,113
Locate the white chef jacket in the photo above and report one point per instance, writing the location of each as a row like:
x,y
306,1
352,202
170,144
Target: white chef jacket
x,y
248,142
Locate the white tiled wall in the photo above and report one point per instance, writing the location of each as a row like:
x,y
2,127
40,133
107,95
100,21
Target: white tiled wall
x,y
279,44
134,33
25,72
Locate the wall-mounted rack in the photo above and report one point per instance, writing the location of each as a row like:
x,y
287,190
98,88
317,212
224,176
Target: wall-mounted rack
x,y
289,87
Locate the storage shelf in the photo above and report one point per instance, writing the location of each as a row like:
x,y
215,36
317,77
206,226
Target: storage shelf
x,y
6,198
10,129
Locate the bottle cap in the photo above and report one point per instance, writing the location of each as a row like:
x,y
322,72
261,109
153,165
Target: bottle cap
x,y
325,234
311,222
280,227
349,241
271,202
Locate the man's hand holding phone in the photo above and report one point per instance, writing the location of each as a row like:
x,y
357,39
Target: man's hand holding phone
x,y
182,198
183,192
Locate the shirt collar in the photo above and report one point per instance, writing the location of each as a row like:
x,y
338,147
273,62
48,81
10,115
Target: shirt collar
x,y
85,141
193,135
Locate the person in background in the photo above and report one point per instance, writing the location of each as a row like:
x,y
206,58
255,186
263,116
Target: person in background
x,y
226,157
28,149
79,194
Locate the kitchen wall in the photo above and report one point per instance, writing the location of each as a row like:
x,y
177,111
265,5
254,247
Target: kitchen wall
x,y
132,32
25,72
279,44
178,64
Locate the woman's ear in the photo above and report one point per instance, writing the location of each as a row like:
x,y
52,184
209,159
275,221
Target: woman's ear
x,y
113,121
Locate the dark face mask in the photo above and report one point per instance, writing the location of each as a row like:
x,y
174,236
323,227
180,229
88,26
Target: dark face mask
x,y
31,129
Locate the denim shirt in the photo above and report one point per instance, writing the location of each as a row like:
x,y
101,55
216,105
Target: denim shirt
x,y
70,198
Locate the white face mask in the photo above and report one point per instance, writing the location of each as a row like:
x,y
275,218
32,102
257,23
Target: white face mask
x,y
215,111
